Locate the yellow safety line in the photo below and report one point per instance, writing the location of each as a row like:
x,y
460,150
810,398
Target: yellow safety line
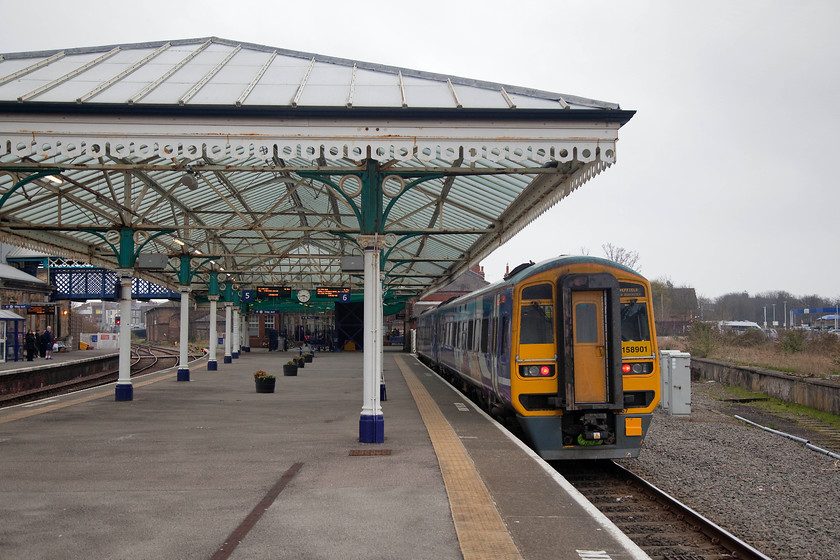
x,y
93,396
481,532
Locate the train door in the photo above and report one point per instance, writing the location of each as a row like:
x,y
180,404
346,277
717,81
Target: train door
x,y
501,341
590,336
494,344
589,349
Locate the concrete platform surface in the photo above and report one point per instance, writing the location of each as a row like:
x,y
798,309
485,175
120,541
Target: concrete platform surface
x,y
57,359
211,469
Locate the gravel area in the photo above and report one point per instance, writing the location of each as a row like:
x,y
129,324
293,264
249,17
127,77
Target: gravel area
x,y
768,490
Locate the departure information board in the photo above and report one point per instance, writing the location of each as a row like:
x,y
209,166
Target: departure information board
x,y
41,309
274,292
330,292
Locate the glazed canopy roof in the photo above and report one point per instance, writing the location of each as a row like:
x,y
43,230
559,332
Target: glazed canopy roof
x,y
284,148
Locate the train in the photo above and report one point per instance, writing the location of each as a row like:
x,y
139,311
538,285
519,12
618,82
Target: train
x,y
567,347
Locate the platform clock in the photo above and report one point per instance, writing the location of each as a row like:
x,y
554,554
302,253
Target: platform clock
x,y
303,296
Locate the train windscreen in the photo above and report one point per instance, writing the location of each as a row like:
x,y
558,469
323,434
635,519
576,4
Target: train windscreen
x,y
634,322
537,324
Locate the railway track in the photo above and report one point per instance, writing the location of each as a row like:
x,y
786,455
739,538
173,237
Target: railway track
x,y
660,525
145,359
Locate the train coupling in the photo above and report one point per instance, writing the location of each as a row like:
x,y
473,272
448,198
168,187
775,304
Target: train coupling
x,y
595,427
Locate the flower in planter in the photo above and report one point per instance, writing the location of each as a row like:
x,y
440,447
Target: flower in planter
x,y
260,374
292,363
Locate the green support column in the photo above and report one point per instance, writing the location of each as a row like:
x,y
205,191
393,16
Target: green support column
x,y
185,276
228,297
236,326
213,296
126,251
184,281
246,336
372,215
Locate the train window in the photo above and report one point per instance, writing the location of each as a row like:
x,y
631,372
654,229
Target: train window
x,y
485,334
537,324
469,335
505,330
586,323
540,291
634,321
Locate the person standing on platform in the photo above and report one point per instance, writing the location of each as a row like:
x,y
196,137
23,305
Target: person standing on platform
x,y
47,339
31,345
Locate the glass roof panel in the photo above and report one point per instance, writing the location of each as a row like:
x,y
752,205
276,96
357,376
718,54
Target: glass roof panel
x,y
261,213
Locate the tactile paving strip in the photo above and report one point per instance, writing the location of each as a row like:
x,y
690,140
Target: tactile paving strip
x,y
481,532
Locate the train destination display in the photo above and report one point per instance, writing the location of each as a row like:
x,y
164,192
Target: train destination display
x,y
264,292
330,292
41,309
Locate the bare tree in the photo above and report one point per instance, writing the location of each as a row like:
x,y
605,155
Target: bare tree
x,y
621,255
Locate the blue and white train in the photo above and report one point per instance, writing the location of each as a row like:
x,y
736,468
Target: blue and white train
x,y
567,346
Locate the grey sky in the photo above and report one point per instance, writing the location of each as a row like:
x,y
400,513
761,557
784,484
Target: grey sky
x,y
725,179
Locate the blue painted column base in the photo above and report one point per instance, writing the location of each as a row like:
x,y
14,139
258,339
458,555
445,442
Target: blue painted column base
x,y
235,355
246,348
184,374
124,392
212,365
383,394
371,429
228,359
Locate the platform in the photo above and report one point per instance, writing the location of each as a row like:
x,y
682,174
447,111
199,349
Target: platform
x,y
57,358
212,469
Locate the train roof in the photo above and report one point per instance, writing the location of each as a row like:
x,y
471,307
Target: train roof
x,y
525,272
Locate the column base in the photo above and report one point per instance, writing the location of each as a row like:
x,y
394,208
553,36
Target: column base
x,y
246,348
235,355
212,365
228,359
371,429
124,392
383,394
184,374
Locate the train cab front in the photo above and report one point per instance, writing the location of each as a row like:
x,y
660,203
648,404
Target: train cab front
x,y
582,390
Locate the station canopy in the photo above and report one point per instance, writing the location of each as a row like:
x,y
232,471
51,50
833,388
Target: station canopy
x,y
267,164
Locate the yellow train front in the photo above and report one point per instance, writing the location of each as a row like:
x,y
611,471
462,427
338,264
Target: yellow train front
x,y
568,346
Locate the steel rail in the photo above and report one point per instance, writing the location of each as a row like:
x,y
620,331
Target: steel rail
x,y
93,380
719,535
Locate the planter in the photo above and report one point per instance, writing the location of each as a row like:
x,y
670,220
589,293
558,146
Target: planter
x,y
300,362
289,370
308,358
265,385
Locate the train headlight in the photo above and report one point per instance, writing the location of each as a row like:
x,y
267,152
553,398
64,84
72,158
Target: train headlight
x,y
637,368
536,371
